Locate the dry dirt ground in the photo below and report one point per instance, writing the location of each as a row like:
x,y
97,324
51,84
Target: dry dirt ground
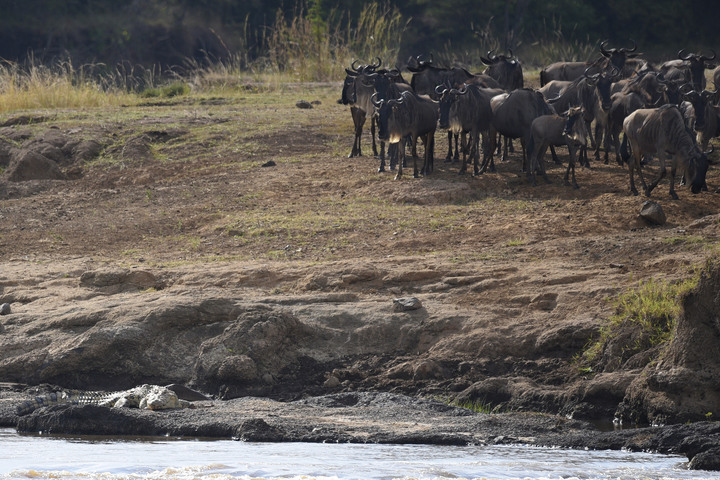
x,y
179,187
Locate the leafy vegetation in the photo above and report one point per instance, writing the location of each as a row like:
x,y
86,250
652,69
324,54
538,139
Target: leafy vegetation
x,y
645,318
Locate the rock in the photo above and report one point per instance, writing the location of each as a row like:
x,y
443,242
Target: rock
x,y
258,430
404,304
269,163
653,213
303,104
707,460
5,309
29,165
117,280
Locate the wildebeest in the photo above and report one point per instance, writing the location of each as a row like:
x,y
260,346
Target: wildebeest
x,y
513,114
505,69
611,58
467,109
661,131
387,84
357,95
592,92
426,78
696,65
409,115
546,130
623,104
616,57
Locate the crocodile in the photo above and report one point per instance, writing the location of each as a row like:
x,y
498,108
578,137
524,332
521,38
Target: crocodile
x,y
150,397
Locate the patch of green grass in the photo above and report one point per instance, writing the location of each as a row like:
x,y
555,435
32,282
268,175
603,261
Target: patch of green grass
x,y
645,317
174,89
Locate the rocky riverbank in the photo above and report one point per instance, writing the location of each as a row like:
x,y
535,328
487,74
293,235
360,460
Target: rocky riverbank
x,y
363,417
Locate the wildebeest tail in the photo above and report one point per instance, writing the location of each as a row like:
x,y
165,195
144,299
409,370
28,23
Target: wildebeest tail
x,y
624,150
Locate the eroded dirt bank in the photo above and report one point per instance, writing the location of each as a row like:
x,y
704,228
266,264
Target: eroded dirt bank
x,y
149,244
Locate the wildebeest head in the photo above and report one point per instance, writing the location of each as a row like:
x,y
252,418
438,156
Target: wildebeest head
x,y
603,83
697,65
448,97
348,96
574,130
385,109
617,56
696,171
699,101
505,69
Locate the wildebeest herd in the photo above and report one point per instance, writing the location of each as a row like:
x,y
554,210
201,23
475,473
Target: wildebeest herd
x,y
662,111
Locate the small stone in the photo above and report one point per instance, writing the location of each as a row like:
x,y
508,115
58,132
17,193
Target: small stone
x,y
331,382
303,104
5,309
269,163
404,304
653,213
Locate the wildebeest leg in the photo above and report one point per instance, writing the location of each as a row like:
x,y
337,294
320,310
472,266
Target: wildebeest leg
x,y
663,172
416,172
392,151
401,158
448,158
509,145
588,129
673,172
358,117
381,168
456,157
554,155
373,121
571,165
474,139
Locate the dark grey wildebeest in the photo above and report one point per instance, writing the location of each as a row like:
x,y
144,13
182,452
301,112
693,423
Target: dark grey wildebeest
x,y
387,84
662,132
412,116
357,95
613,57
467,109
513,114
505,69
555,130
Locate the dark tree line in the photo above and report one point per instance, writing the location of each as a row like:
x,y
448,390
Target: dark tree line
x,y
169,31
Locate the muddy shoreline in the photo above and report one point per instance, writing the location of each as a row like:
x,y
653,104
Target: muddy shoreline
x,y
362,417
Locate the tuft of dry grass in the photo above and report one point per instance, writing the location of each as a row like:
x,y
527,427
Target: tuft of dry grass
x,y
61,85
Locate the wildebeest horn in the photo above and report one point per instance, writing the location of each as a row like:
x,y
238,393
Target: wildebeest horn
x,y
491,56
604,52
686,57
712,149
379,62
353,67
440,89
352,73
375,101
463,90
685,88
615,72
634,47
707,59
510,52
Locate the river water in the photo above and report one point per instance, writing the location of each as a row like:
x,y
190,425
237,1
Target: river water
x,y
53,457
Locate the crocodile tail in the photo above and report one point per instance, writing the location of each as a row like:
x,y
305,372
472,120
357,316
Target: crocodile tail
x,y
29,406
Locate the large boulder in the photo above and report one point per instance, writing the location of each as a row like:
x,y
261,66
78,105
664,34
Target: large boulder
x,y
683,384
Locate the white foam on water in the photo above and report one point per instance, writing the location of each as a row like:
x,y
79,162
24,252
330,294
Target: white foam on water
x,y
91,458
